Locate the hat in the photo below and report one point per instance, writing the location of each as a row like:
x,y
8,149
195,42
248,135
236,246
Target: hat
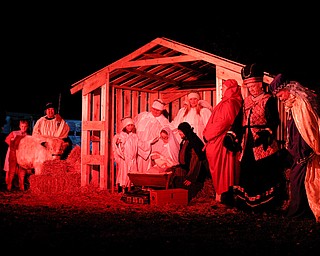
x,y
278,83
49,105
126,121
252,73
158,104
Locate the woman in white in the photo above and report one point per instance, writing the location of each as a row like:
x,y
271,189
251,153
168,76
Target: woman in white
x,y
165,152
196,112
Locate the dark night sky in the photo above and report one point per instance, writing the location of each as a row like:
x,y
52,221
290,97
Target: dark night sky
x,y
44,53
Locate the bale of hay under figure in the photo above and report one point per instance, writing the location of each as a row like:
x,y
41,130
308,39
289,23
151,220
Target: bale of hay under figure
x,y
58,176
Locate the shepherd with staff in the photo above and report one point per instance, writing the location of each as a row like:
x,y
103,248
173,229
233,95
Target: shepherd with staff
x,y
52,124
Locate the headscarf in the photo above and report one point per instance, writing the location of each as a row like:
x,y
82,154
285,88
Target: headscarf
x,y
192,95
173,144
186,129
194,141
126,121
233,91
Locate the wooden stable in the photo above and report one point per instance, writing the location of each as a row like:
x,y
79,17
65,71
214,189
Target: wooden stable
x,y
162,68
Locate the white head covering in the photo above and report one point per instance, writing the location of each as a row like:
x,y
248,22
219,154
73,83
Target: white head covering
x,y
158,104
193,95
126,120
174,145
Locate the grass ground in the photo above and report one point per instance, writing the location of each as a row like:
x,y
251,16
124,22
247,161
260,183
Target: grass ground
x,y
93,221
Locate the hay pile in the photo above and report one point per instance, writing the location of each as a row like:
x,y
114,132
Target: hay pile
x,y
58,175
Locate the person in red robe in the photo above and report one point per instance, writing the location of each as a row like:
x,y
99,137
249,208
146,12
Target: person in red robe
x,y
223,163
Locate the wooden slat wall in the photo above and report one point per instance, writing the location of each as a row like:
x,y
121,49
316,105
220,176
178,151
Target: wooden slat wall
x,y
135,103
130,103
127,103
143,100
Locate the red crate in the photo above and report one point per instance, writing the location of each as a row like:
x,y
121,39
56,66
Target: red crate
x,y
177,196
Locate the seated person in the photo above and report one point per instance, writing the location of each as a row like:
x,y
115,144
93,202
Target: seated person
x,y
193,168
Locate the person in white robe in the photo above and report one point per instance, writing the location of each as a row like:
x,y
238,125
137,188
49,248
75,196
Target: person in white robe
x,y
165,152
196,112
125,148
148,126
52,124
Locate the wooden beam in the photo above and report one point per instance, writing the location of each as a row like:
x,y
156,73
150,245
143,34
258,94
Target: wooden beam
x,y
132,88
93,125
151,76
160,61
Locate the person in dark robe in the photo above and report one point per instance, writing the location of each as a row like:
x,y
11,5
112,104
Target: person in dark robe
x,y
262,181
192,170
303,143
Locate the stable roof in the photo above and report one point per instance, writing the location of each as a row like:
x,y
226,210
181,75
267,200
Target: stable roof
x,y
163,65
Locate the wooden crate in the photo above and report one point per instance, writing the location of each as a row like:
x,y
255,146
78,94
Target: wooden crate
x,y
136,197
156,180
169,196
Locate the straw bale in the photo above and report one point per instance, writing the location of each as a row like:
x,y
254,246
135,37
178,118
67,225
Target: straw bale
x,y
74,160
52,184
58,175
